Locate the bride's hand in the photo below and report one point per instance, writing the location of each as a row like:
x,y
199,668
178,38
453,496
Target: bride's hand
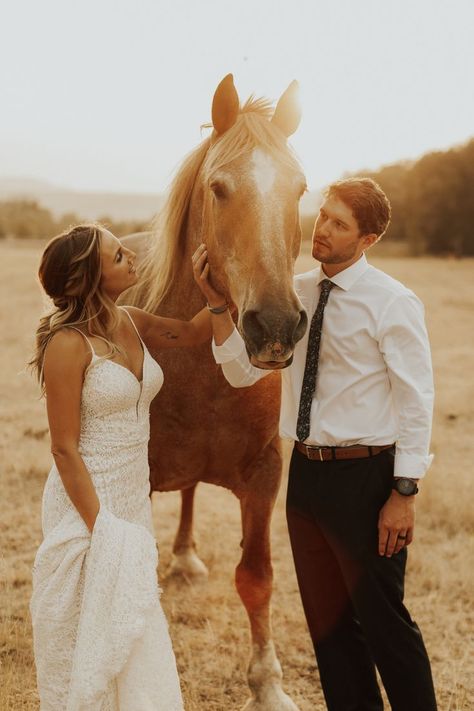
x,y
201,277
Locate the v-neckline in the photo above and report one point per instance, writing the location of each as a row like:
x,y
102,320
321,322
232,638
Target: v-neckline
x,y
142,345
124,367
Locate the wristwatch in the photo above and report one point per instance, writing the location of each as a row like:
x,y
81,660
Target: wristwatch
x,y
405,486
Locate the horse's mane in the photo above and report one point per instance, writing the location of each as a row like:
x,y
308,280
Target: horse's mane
x,y
161,266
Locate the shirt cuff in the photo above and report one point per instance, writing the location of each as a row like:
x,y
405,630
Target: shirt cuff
x,y
411,466
230,349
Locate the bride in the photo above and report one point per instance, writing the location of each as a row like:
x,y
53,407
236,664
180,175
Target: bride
x,y
101,640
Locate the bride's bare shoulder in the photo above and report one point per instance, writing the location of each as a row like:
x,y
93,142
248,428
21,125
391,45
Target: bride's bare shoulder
x,y
68,349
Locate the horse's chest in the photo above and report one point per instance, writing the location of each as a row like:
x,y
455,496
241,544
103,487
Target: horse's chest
x,y
201,427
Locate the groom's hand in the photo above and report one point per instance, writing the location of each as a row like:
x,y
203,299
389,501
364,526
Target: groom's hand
x,y
396,523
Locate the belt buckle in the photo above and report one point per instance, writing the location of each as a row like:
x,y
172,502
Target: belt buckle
x,y
314,453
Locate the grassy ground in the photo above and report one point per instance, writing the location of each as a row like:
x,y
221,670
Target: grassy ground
x,y
207,622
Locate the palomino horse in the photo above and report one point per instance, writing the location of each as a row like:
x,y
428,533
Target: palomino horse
x,y
239,192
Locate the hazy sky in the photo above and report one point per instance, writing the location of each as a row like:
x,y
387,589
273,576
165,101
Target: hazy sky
x,y
110,94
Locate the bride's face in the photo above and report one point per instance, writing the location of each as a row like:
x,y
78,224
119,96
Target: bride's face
x,y
118,265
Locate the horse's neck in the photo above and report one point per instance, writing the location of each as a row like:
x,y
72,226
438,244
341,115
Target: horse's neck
x,y
184,299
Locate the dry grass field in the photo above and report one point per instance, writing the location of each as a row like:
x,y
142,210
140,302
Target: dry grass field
x,y
208,624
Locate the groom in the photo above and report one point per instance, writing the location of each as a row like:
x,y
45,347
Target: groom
x,y
357,402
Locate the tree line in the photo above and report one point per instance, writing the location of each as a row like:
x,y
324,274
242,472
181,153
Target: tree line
x,y
432,202
28,219
432,206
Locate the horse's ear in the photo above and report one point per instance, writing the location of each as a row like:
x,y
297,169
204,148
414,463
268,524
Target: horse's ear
x,y
225,105
287,115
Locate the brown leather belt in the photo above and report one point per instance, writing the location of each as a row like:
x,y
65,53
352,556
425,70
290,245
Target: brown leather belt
x,y
325,454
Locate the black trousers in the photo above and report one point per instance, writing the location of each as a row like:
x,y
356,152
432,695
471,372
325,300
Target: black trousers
x,y
353,597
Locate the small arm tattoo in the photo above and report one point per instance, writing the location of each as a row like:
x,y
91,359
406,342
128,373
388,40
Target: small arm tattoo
x,y
169,334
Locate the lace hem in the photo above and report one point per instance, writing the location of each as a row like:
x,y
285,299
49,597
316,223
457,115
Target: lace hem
x,y
120,581
108,623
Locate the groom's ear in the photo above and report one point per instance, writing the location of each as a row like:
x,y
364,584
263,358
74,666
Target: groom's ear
x,y
370,239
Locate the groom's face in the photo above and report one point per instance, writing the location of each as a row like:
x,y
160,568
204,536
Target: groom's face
x,y
336,234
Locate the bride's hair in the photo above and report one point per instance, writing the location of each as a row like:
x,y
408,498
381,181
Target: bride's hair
x,y
70,273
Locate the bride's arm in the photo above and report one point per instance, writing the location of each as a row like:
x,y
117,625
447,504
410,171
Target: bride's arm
x,y
160,332
65,360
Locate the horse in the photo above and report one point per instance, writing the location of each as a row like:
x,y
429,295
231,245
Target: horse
x,y
239,192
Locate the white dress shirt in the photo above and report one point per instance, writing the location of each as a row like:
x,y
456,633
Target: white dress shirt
x,y
374,383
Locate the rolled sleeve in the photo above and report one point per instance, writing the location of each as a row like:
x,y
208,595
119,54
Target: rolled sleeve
x,y
237,369
411,466
230,349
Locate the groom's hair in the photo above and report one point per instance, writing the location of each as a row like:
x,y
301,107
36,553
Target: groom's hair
x,y
368,202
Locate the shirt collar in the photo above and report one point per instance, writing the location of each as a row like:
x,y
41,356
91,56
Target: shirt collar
x,y
347,277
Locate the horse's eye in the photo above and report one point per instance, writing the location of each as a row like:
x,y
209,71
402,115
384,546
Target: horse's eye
x,y
219,190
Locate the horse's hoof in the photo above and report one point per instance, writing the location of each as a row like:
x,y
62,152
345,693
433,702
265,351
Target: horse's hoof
x,y
264,679
271,699
188,565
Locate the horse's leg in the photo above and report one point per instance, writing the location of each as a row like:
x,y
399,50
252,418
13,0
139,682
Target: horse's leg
x,y
253,579
185,560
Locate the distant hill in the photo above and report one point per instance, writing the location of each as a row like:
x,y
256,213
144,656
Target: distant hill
x,y
95,205
86,205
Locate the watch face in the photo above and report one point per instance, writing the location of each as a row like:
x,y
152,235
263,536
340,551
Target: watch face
x,y
406,486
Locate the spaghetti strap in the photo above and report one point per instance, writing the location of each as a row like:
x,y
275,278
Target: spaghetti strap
x,y
133,323
88,341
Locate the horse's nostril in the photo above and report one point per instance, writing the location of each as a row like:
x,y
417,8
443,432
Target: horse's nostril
x,y
251,324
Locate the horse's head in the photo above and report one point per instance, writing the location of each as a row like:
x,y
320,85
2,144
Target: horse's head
x,y
249,187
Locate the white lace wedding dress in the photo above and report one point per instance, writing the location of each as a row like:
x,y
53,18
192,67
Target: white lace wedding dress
x,y
101,640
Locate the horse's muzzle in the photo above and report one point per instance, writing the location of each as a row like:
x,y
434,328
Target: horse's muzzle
x,y
271,364
270,336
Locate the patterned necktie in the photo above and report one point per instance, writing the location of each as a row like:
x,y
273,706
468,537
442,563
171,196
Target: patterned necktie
x,y
311,367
